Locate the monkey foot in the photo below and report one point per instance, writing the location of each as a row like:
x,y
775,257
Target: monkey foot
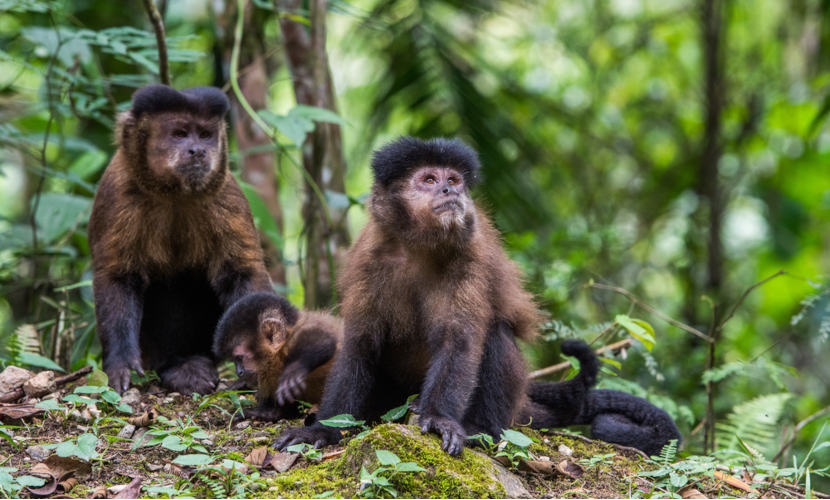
x,y
193,374
316,435
265,414
451,432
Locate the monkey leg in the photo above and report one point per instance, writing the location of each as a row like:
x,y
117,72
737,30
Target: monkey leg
x,y
501,384
190,374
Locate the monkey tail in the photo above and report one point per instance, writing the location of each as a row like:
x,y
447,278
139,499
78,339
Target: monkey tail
x,y
622,418
558,404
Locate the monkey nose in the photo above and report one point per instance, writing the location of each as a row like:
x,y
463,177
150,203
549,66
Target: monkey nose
x,y
197,152
240,371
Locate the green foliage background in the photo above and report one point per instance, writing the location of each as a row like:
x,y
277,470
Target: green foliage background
x,y
589,119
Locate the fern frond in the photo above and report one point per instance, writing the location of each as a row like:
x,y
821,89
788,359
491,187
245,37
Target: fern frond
x,y
754,422
667,454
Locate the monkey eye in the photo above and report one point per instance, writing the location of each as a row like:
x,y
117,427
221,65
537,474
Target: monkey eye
x,y
451,181
180,133
430,179
205,134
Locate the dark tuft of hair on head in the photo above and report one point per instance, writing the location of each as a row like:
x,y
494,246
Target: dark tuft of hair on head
x,y
243,316
207,102
401,157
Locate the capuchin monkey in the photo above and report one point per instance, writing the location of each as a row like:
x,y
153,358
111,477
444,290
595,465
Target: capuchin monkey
x,y
283,352
432,305
172,238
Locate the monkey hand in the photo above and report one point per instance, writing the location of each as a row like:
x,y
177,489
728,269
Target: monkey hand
x,y
292,384
452,434
119,373
194,374
316,435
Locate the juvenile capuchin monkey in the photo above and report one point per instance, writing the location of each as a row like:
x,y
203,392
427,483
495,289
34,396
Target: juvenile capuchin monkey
x,y
432,305
172,238
283,352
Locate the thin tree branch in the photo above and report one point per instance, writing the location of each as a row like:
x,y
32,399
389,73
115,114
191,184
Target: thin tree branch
x,y
158,28
797,428
616,346
633,298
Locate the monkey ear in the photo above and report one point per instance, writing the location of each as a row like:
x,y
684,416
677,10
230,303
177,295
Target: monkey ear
x,y
273,331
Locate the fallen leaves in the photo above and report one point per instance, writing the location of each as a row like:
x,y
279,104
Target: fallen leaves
x,y
59,473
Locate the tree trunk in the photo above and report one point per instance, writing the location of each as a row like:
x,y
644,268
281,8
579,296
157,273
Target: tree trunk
x,y
322,152
708,184
258,159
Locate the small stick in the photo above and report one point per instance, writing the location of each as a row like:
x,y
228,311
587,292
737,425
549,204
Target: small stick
x,y
616,346
73,376
158,28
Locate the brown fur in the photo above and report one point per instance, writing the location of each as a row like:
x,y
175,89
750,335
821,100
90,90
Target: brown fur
x,y
431,305
173,245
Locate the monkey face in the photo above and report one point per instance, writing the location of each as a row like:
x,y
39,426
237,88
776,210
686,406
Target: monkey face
x,y
438,194
184,150
244,360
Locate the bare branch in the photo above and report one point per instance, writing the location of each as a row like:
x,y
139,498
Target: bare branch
x,y
616,346
633,298
158,28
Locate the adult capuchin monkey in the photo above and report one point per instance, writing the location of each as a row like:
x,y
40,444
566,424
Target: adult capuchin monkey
x,y
432,305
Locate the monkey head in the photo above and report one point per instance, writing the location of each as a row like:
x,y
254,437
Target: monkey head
x,y
177,139
253,332
421,191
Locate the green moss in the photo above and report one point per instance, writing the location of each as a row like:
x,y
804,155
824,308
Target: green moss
x,y
470,475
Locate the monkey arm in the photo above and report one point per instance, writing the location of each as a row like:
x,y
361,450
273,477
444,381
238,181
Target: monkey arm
x,y
449,384
118,310
348,386
234,280
311,348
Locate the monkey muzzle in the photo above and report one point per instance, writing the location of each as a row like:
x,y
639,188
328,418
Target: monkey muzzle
x,y
450,204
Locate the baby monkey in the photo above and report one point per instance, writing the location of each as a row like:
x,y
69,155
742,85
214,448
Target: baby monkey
x,y
285,353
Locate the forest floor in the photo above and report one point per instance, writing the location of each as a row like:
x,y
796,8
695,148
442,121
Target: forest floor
x,y
82,440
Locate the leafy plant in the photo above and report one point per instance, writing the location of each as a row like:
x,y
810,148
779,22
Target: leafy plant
x,y
109,398
177,436
378,483
83,447
671,477
398,412
10,485
754,422
307,451
514,446
604,459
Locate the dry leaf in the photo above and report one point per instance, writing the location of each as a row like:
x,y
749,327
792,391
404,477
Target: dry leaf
x,y
538,466
734,482
282,461
100,492
257,456
143,420
18,411
67,485
570,469
689,492
132,490
63,466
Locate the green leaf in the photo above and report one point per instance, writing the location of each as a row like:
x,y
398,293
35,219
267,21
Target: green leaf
x,y
516,438
342,421
294,128
57,213
111,397
91,389
173,443
30,481
89,163
638,329
678,480
49,404
86,446
387,457
32,359
74,398
409,467
398,412
99,378
200,434
613,362
124,408
193,460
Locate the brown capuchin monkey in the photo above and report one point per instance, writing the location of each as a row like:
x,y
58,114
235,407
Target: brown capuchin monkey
x,y
432,305
285,353
172,238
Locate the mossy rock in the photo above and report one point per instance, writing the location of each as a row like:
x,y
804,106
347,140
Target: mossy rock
x,y
471,475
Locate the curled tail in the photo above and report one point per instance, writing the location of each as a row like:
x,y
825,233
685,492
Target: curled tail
x,y
622,418
557,404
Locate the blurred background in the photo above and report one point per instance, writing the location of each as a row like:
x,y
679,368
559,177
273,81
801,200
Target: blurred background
x,y
647,162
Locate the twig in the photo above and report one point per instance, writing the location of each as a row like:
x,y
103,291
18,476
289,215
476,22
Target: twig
x,y
797,428
745,294
73,376
11,396
622,344
158,28
633,298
